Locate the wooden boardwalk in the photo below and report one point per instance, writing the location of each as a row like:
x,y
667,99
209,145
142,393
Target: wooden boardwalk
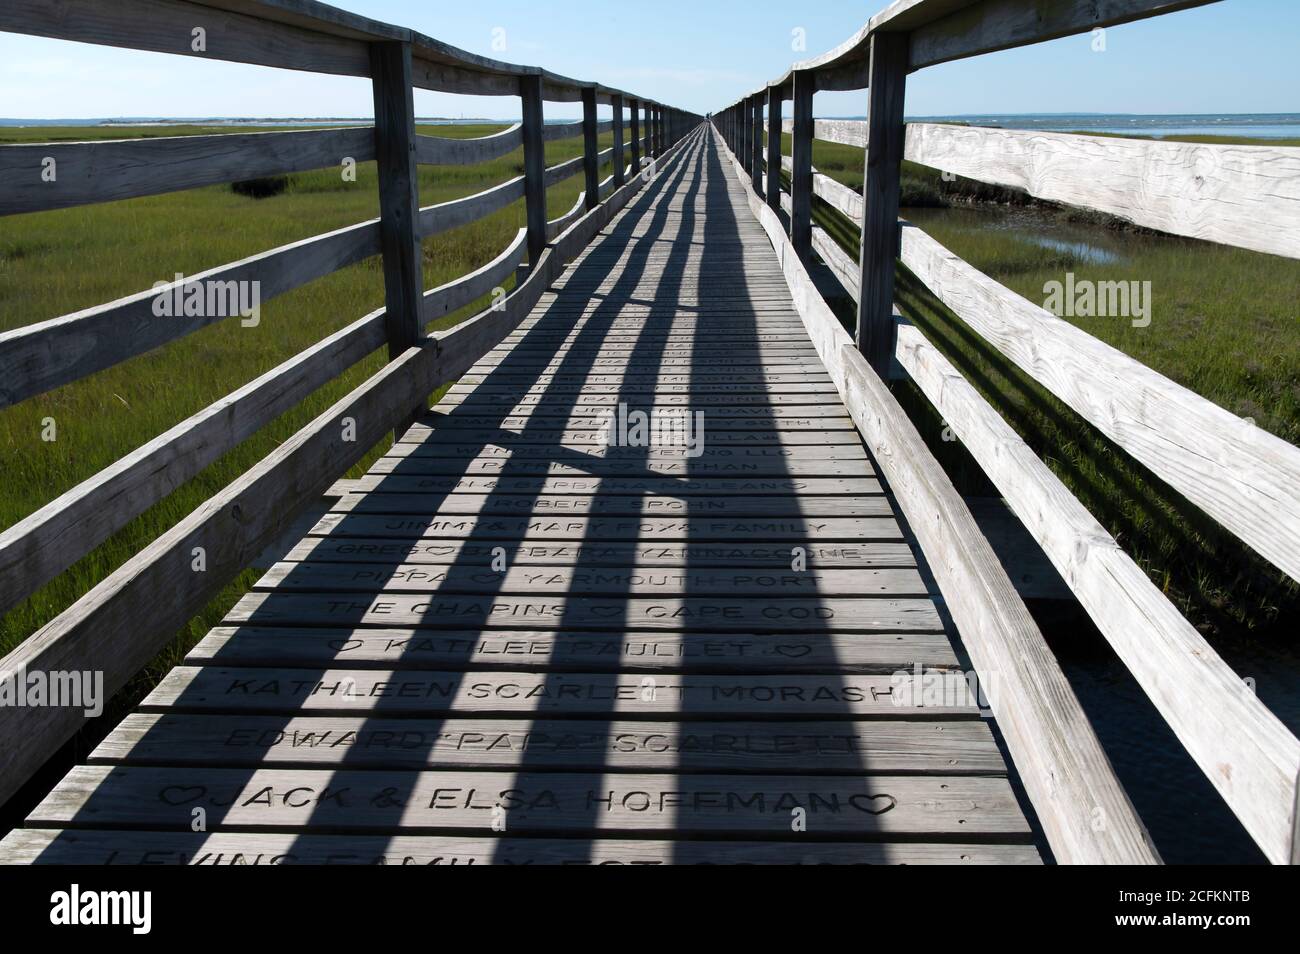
x,y
512,641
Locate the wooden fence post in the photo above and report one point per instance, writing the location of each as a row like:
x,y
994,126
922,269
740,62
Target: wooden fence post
x,y
616,102
774,148
746,134
530,92
756,146
590,146
399,199
887,76
801,180
636,135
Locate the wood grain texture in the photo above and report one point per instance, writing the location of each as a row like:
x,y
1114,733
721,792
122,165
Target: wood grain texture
x,y
1242,476
76,847
1245,196
107,171
394,648
633,803
818,747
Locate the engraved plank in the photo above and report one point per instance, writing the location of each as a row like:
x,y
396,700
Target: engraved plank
x,y
78,847
532,650
737,505
867,807
616,485
824,748
589,581
824,614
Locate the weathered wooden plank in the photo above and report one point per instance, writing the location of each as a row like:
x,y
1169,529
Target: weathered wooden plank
x,y
646,457
440,151
673,614
429,692
1058,756
299,647
434,219
107,171
43,356
602,504
1245,196
82,847
1254,767
469,554
166,26
1241,475
823,436
327,577
706,422
992,25
822,748
681,468
618,486
848,132
871,806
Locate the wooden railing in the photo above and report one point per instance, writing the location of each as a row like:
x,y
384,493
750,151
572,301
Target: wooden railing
x,y
1243,477
130,616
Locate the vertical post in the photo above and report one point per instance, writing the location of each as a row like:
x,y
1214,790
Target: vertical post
x,y
636,136
616,102
590,146
756,147
774,147
801,180
887,76
659,131
530,92
399,200
746,120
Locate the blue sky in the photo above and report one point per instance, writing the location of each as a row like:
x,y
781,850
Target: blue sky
x,y
1233,56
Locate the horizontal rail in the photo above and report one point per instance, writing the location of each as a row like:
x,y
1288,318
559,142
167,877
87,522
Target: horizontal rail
x,y
433,219
43,356
939,31
445,299
555,226
90,172
1255,765
605,187
1061,762
563,170
287,34
1245,196
439,151
1241,475
552,132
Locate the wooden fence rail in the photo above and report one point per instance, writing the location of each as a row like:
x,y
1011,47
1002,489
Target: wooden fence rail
x,y
103,630
1248,480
